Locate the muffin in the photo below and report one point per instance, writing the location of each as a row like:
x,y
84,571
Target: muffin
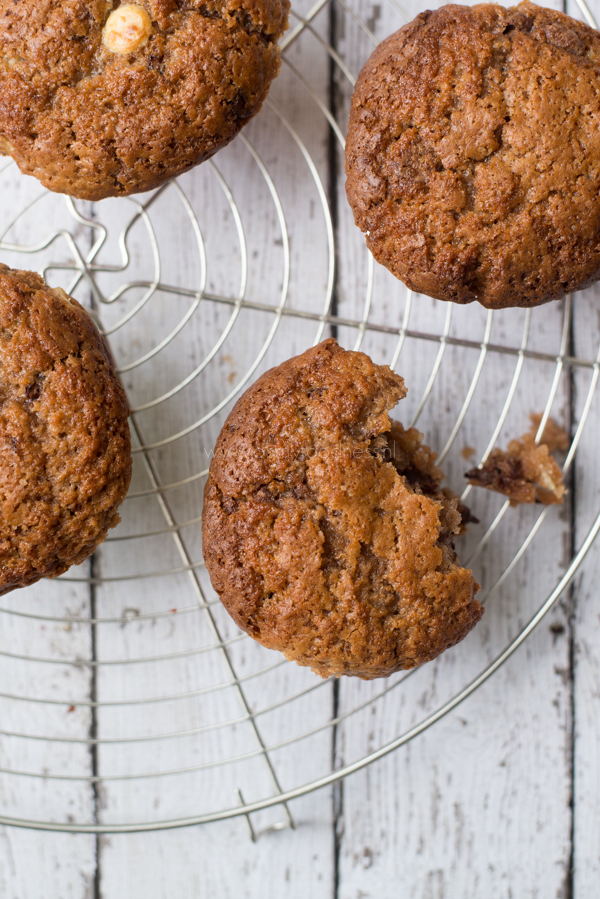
x,y
104,99
65,450
473,154
325,532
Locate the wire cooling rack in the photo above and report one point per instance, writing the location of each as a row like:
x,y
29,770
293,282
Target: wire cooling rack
x,y
128,699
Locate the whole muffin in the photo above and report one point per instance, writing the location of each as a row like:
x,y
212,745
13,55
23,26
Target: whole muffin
x,y
473,154
104,99
318,535
65,450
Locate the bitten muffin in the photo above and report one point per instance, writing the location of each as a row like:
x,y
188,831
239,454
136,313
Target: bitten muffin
x,y
473,154
104,99
325,533
65,450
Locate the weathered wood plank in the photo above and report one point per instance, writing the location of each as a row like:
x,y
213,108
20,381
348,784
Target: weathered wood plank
x,y
36,864
585,610
31,863
280,213
479,804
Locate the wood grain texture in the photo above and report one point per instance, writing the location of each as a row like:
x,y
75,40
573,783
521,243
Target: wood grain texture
x,y
583,601
214,860
479,805
585,610
31,863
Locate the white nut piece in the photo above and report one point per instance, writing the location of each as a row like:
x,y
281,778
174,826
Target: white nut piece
x,y
126,29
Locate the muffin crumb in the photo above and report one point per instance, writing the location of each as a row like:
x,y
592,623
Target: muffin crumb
x,y
525,472
554,435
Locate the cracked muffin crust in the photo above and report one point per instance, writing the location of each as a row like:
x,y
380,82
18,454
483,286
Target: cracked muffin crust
x,y
65,451
90,119
473,154
325,533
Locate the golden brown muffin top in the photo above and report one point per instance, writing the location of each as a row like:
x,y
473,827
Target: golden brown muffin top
x,y
92,122
315,542
473,154
65,451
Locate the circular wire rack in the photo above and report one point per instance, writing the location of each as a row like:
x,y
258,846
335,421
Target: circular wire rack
x,y
124,685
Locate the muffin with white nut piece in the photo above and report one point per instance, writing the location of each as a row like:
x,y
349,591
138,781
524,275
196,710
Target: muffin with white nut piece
x,y
102,99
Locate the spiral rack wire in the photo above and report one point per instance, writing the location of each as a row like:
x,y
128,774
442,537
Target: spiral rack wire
x,y
127,697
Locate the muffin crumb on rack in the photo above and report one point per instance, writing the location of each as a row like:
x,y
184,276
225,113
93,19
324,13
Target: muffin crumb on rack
x,y
526,472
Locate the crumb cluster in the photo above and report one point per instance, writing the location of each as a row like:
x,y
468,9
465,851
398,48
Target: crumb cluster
x,y
525,471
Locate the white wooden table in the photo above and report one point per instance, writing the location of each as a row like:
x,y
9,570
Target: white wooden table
x,y
498,799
